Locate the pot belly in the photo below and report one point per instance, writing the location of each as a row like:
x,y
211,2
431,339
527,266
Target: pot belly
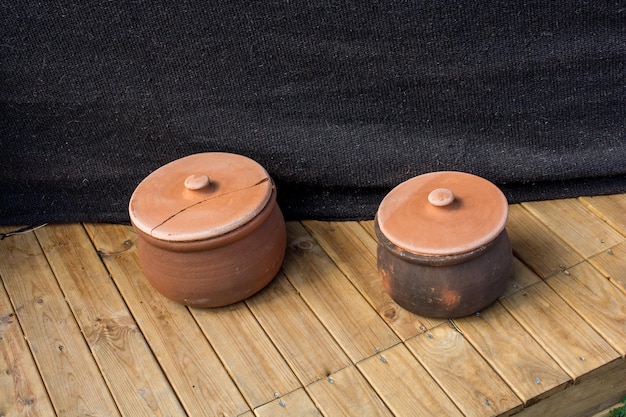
x,y
447,287
219,275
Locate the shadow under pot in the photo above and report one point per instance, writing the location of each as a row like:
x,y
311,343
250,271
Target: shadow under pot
x,y
210,232
443,251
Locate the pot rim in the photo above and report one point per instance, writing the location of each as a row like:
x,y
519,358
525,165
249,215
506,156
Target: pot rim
x,y
218,241
433,259
173,201
455,212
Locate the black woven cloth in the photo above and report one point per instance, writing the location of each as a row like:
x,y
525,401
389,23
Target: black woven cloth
x,y
339,100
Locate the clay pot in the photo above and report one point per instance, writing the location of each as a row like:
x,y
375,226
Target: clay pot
x,y
210,232
443,250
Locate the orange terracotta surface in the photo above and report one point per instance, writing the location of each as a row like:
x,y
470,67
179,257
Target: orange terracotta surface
x,y
418,217
220,271
210,232
200,196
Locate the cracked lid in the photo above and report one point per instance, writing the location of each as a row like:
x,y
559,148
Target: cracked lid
x,y
443,213
200,196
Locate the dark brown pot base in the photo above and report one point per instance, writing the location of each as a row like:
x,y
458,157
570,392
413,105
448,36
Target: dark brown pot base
x,y
445,286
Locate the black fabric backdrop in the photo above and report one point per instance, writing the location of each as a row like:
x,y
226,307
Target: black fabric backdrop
x,y
339,100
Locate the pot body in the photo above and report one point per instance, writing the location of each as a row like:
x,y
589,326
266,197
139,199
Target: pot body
x,y
445,286
221,270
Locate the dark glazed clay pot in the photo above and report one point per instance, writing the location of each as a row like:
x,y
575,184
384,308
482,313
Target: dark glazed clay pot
x,y
210,232
443,251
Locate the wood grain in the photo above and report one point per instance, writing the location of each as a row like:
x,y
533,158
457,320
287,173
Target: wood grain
x,y
596,300
576,225
296,403
535,244
612,264
368,225
69,371
346,393
530,372
610,208
352,321
586,398
132,373
396,375
571,341
76,338
22,392
247,352
354,251
521,277
463,374
297,333
193,369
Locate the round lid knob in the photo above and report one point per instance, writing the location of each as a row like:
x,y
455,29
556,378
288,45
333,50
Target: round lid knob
x,y
440,197
200,196
197,182
443,213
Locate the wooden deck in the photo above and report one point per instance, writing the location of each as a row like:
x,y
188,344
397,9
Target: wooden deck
x,y
83,334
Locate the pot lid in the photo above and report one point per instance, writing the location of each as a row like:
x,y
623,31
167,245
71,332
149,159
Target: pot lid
x,y
200,196
443,213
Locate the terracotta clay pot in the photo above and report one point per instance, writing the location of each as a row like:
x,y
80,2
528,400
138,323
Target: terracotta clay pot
x,y
443,250
210,232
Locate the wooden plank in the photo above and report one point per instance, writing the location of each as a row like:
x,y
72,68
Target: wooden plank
x,y
595,299
530,372
405,386
610,208
247,352
535,244
126,362
576,225
586,398
612,264
573,344
346,393
354,251
593,391
295,330
22,392
296,403
193,369
70,373
607,411
463,374
521,277
368,225
356,326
